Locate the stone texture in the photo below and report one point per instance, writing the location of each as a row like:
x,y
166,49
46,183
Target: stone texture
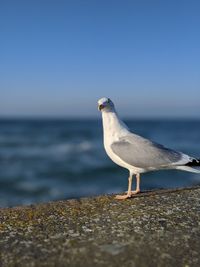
x,y
159,228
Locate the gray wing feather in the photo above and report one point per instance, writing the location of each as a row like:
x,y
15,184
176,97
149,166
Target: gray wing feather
x,y
143,153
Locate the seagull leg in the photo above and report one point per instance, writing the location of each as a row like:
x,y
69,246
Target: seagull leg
x,y
137,185
128,194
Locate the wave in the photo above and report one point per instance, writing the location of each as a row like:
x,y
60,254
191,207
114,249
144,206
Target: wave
x,y
51,150
42,161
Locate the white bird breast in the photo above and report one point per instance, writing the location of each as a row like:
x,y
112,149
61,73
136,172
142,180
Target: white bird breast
x,y
111,136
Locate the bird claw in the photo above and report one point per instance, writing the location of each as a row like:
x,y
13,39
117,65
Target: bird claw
x,y
133,192
128,195
121,197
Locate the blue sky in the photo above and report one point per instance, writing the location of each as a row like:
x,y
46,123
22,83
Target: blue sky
x,y
58,57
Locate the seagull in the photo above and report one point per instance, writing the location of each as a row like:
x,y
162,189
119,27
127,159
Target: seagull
x,y
136,153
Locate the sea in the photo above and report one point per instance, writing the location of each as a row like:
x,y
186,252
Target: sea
x,y
53,159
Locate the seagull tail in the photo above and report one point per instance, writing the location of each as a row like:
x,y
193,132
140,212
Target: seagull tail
x,y
191,166
193,163
188,169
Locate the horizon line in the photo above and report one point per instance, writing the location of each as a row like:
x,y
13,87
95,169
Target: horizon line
x,y
28,117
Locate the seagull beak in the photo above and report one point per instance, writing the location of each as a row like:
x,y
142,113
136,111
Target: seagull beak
x,y
100,107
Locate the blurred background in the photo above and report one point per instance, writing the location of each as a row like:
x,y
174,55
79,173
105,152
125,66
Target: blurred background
x,y
57,58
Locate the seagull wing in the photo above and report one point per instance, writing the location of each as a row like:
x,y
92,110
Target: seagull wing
x,y
143,153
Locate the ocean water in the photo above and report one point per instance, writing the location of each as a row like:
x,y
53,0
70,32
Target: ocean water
x,y
45,160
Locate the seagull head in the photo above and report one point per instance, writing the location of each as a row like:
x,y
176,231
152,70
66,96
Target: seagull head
x,y
105,104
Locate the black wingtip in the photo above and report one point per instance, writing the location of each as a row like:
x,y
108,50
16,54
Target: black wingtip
x,y
193,163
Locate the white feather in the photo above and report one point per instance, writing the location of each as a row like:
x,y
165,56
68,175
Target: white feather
x,y
187,169
114,130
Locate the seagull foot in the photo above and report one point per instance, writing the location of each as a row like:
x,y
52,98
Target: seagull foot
x,y
134,192
121,197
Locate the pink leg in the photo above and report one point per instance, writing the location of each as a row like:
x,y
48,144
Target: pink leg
x,y
137,185
130,193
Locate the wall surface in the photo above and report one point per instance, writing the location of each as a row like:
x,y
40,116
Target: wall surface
x,y
159,228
